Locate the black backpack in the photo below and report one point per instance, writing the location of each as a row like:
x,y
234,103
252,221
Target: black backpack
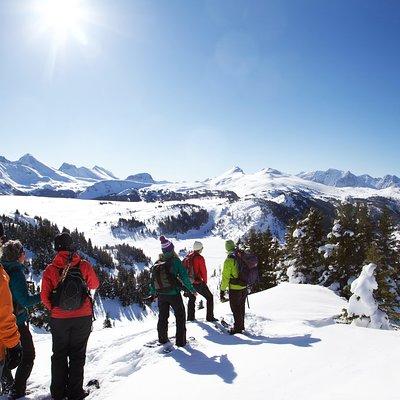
x,y
72,291
247,264
162,277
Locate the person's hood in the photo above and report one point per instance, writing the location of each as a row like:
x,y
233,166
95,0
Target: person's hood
x,y
9,266
62,259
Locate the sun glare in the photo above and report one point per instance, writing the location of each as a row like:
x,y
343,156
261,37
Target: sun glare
x,y
63,19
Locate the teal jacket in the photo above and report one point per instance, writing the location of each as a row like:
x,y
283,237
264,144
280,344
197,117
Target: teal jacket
x,y
179,271
19,290
230,270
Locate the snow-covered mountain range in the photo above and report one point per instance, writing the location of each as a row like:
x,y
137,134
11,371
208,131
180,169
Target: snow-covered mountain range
x,y
235,201
32,177
337,178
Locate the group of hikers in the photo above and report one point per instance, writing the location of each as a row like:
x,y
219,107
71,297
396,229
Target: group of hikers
x,y
67,288
66,283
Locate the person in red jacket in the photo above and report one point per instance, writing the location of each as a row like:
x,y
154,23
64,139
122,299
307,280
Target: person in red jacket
x,y
196,263
70,328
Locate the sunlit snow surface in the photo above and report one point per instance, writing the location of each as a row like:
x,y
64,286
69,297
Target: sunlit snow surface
x,y
292,350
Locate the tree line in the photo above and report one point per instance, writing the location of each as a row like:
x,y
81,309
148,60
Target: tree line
x,y
333,258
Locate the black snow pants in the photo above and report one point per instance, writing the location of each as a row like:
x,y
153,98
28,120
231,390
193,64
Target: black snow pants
x,y
237,301
203,290
165,301
70,337
23,372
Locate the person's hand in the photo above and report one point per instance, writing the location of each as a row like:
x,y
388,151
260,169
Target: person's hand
x,y
150,299
222,296
14,356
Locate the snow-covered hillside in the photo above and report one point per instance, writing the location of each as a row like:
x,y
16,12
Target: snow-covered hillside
x,y
292,350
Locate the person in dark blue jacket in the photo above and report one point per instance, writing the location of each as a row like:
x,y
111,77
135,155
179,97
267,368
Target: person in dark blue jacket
x,y
13,259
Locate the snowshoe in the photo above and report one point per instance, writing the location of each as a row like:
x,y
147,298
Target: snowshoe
x,y
93,383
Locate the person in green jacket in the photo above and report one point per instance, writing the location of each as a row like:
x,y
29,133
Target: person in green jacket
x,y
13,259
237,293
168,278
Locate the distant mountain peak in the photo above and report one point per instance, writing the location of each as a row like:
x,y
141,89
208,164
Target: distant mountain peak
x,y
271,171
27,159
142,177
235,170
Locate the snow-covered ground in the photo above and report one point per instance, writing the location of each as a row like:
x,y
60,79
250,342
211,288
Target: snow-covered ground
x,y
293,350
95,219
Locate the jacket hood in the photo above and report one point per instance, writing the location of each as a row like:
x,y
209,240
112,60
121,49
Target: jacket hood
x,y
10,265
62,258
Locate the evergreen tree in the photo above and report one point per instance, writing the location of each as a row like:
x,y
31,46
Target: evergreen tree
x,y
304,261
344,261
384,253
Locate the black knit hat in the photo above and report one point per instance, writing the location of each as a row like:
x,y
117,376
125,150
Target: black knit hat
x,y
63,242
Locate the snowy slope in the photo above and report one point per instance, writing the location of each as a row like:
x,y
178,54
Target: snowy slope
x,y
293,350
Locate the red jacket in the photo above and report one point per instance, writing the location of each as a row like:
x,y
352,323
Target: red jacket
x,y
199,268
52,276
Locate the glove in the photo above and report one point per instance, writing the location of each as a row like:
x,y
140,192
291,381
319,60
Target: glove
x,y
222,296
14,356
150,299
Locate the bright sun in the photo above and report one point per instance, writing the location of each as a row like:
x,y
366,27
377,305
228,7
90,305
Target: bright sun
x,y
62,19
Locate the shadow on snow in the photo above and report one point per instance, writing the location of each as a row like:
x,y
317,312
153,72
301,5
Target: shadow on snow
x,y
218,337
196,362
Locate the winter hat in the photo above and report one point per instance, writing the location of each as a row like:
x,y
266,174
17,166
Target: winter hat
x,y
229,246
12,250
197,246
166,245
63,242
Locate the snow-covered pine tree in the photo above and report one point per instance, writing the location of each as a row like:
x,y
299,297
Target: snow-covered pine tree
x,y
283,261
304,261
342,251
363,308
383,251
365,227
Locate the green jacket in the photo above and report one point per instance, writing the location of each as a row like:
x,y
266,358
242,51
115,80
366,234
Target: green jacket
x,y
230,270
19,290
179,271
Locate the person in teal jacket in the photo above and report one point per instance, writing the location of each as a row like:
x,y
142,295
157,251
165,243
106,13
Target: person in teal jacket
x,y
169,276
13,259
237,293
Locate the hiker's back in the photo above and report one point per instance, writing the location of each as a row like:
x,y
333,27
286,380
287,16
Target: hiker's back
x,y
52,277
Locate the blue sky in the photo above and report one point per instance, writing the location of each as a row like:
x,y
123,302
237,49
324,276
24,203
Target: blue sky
x,y
187,89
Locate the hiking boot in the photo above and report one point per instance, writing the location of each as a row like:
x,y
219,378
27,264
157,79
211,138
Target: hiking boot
x,y
191,320
213,319
234,331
